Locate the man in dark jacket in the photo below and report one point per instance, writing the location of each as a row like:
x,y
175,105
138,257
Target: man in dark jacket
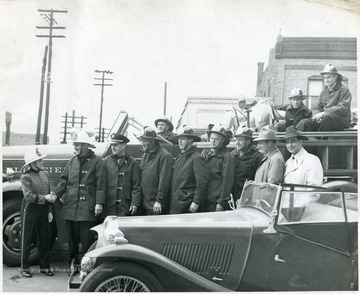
x,y
247,159
36,212
295,111
220,164
190,176
156,170
120,180
165,130
81,203
333,109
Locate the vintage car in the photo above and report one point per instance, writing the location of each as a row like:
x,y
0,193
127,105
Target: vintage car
x,y
283,238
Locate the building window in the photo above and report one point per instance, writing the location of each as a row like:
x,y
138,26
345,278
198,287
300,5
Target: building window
x,y
315,85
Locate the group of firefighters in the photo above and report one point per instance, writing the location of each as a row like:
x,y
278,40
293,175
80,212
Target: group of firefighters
x,y
92,188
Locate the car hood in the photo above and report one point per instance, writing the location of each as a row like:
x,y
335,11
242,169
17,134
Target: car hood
x,y
214,245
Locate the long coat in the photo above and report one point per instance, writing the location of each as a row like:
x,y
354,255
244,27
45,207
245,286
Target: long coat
x,y
271,168
189,184
304,169
220,165
79,182
336,101
120,185
156,172
245,168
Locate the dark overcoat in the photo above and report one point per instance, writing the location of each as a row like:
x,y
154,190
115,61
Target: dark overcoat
x,y
79,184
294,115
220,165
336,101
120,185
245,168
189,183
156,172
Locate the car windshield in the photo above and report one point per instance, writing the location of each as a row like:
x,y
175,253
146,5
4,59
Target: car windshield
x,y
259,195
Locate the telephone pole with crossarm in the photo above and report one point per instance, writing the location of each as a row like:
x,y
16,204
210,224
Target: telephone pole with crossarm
x,y
49,17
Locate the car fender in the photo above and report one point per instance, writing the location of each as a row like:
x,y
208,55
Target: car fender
x,y
140,254
11,186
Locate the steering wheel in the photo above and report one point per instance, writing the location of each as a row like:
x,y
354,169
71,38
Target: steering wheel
x,y
262,201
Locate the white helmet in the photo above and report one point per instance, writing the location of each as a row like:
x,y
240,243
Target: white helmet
x,y
80,136
32,155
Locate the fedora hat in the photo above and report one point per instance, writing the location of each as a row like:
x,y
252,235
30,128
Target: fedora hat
x,y
331,69
32,155
292,132
165,120
149,133
118,138
219,129
297,92
81,136
243,132
189,133
266,134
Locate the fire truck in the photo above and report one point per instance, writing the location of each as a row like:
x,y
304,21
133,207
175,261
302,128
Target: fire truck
x,y
336,150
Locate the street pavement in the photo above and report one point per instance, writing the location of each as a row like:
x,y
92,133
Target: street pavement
x,y
14,282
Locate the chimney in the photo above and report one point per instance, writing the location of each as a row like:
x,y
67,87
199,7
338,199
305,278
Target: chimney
x,y
259,74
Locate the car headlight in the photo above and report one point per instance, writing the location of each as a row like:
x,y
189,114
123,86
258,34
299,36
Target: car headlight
x,y
112,233
87,264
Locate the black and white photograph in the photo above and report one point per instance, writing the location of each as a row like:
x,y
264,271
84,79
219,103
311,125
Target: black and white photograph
x,y
179,145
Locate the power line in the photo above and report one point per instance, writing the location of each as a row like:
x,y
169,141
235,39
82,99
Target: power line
x,y
49,17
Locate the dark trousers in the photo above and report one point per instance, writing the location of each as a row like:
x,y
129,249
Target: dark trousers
x,y
329,122
35,219
79,231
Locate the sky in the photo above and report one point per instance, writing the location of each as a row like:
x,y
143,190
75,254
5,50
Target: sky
x,y
199,47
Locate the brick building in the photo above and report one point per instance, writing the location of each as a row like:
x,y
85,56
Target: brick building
x,y
298,61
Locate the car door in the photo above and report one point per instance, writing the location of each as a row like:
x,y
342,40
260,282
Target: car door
x,y
316,251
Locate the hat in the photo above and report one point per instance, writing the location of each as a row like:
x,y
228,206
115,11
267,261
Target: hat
x,y
189,133
292,132
118,138
165,120
244,132
331,69
266,134
149,133
219,129
32,155
297,92
80,136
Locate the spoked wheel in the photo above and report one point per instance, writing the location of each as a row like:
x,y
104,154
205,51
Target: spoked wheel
x,y
122,284
121,277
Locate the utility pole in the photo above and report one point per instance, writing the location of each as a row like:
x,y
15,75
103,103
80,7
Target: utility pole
x,y
165,92
37,138
48,16
103,79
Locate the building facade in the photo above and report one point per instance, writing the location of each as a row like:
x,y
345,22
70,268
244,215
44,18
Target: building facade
x,y
298,61
200,111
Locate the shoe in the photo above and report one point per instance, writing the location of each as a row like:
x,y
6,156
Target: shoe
x,y
47,272
26,273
